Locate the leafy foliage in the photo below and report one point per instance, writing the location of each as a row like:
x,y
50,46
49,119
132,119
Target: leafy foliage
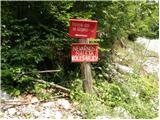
x,y
34,38
29,48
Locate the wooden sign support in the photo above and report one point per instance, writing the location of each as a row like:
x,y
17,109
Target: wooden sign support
x,y
84,29
86,72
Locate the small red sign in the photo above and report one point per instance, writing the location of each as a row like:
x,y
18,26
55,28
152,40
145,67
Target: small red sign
x,y
82,28
82,52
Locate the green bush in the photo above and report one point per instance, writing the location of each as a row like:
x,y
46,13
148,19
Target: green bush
x,y
34,38
27,48
135,98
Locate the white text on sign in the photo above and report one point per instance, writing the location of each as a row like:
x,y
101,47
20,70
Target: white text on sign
x,y
84,53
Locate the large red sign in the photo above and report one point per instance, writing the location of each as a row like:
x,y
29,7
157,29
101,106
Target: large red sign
x,y
82,52
82,28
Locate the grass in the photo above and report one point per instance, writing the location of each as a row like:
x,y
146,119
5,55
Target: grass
x,y
136,96
134,56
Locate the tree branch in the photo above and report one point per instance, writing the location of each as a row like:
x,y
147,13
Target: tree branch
x,y
54,85
44,71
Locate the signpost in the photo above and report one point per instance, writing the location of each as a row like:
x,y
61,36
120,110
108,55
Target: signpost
x,y
83,51
82,28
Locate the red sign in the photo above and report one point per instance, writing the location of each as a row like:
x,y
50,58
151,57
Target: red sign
x,y
82,52
82,28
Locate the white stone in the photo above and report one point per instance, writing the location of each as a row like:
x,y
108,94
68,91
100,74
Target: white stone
x,y
58,115
119,109
48,104
78,117
151,65
124,69
30,109
47,113
6,116
130,50
79,113
102,117
34,100
123,111
134,94
18,113
1,114
4,95
70,117
36,113
12,111
64,103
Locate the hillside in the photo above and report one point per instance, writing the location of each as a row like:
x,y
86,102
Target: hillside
x,y
40,79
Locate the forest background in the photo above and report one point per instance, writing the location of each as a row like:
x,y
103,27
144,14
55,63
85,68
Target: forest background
x,y
34,38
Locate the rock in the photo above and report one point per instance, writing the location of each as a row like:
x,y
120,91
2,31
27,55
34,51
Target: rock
x,y
18,113
155,103
64,103
70,117
119,109
134,94
123,112
55,109
124,69
29,109
58,115
130,50
25,110
47,113
103,117
4,95
79,113
48,104
12,111
5,115
151,65
1,114
34,100
36,113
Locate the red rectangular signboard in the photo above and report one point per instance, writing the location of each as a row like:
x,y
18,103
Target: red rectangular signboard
x,y
82,52
82,28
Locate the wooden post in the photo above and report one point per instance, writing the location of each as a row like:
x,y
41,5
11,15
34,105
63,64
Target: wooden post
x,y
86,72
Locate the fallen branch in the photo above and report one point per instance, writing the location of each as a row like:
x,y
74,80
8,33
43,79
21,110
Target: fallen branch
x,y
17,103
44,71
12,103
54,85
123,45
16,100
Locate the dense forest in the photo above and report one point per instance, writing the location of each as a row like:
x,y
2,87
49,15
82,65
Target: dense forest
x,y
34,38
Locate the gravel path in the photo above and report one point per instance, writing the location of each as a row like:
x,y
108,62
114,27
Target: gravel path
x,y
31,107
150,44
151,64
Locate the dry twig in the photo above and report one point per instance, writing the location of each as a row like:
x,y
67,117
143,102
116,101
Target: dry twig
x,y
54,85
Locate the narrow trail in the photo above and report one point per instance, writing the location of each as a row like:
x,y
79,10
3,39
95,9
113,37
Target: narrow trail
x,y
151,64
150,44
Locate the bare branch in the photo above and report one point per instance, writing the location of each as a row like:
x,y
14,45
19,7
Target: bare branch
x,y
54,85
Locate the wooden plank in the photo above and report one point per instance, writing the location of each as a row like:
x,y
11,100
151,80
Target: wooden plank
x,y
86,72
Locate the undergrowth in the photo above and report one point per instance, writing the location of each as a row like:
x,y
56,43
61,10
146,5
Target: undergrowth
x,y
120,95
